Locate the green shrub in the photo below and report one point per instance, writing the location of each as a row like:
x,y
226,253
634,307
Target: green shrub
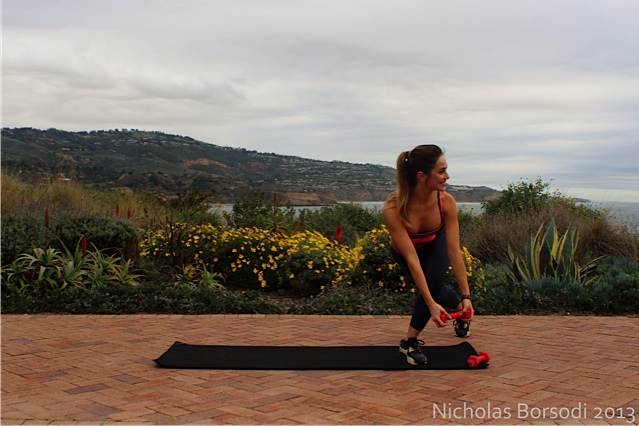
x,y
616,292
344,300
353,220
20,234
149,297
256,212
115,236
618,289
520,197
192,207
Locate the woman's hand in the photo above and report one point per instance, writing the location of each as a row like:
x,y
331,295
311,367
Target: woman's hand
x,y
467,305
435,311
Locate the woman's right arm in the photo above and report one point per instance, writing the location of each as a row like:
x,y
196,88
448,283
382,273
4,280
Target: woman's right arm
x,y
402,243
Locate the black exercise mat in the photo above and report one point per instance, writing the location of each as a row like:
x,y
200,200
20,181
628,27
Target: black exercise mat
x,y
182,355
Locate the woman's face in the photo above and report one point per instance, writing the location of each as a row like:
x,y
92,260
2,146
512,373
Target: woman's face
x,y
437,178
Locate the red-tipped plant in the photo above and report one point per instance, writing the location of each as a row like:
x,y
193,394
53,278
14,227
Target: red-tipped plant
x,y
338,233
46,226
83,244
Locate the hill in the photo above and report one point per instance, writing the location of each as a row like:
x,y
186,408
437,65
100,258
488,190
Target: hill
x,y
155,161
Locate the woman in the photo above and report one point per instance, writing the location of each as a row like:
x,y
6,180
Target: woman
x,y
422,221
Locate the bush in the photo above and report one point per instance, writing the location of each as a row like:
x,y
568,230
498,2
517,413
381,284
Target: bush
x,y
345,300
474,272
25,231
20,234
149,297
524,207
521,197
353,220
192,207
376,266
304,262
616,293
255,212
115,236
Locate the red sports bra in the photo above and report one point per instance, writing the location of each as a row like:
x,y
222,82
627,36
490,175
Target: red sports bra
x,y
428,236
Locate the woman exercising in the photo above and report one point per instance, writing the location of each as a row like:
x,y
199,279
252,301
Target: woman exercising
x,y
422,221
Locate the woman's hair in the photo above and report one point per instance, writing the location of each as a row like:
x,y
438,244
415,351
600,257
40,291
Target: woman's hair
x,y
422,158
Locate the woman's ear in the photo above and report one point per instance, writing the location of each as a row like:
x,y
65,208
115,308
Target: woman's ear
x,y
422,177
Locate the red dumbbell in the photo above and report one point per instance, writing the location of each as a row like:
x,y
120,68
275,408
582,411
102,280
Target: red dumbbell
x,y
455,315
475,361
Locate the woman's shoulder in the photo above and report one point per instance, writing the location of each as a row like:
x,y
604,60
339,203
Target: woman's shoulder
x,y
391,202
448,200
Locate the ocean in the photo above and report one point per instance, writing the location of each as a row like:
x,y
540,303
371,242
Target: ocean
x,y
618,211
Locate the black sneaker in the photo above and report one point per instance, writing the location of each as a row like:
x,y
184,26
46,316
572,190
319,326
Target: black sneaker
x,y
462,328
410,348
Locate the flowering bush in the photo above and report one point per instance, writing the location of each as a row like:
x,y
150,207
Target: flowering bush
x,y
474,271
376,266
256,258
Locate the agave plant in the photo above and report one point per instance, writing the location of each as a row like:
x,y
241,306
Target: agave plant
x,y
199,275
551,254
102,269
47,269
42,270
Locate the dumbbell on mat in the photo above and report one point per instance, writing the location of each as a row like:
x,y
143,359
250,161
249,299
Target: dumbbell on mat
x,y
475,361
455,315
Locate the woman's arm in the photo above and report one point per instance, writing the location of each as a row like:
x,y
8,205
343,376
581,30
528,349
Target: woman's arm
x,y
451,223
402,243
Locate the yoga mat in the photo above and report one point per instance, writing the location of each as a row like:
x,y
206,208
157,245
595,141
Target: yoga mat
x,y
182,355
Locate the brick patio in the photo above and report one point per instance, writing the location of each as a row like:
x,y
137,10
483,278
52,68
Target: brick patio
x,y
59,369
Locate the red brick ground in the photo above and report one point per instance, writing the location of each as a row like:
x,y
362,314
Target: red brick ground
x,y
100,370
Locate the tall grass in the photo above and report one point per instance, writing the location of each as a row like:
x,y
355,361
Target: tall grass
x,y
58,195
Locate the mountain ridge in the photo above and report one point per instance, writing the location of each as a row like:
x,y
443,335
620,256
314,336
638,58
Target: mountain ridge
x,y
156,161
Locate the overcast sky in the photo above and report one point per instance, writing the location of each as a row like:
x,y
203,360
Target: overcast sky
x,y
510,89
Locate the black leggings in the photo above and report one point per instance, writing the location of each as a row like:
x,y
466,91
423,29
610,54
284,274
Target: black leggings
x,y
433,257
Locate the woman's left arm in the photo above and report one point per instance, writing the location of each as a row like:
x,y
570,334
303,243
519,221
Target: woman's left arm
x,y
451,222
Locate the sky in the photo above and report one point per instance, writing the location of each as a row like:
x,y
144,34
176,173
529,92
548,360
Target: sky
x,y
511,90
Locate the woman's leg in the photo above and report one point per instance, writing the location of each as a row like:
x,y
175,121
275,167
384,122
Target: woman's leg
x,y
434,262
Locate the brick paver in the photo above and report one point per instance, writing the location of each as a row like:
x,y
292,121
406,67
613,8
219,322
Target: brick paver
x,y
63,369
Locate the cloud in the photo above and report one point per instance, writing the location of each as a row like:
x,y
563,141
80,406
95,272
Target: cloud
x,y
509,89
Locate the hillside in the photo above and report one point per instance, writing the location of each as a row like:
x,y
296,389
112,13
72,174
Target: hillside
x,y
156,161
